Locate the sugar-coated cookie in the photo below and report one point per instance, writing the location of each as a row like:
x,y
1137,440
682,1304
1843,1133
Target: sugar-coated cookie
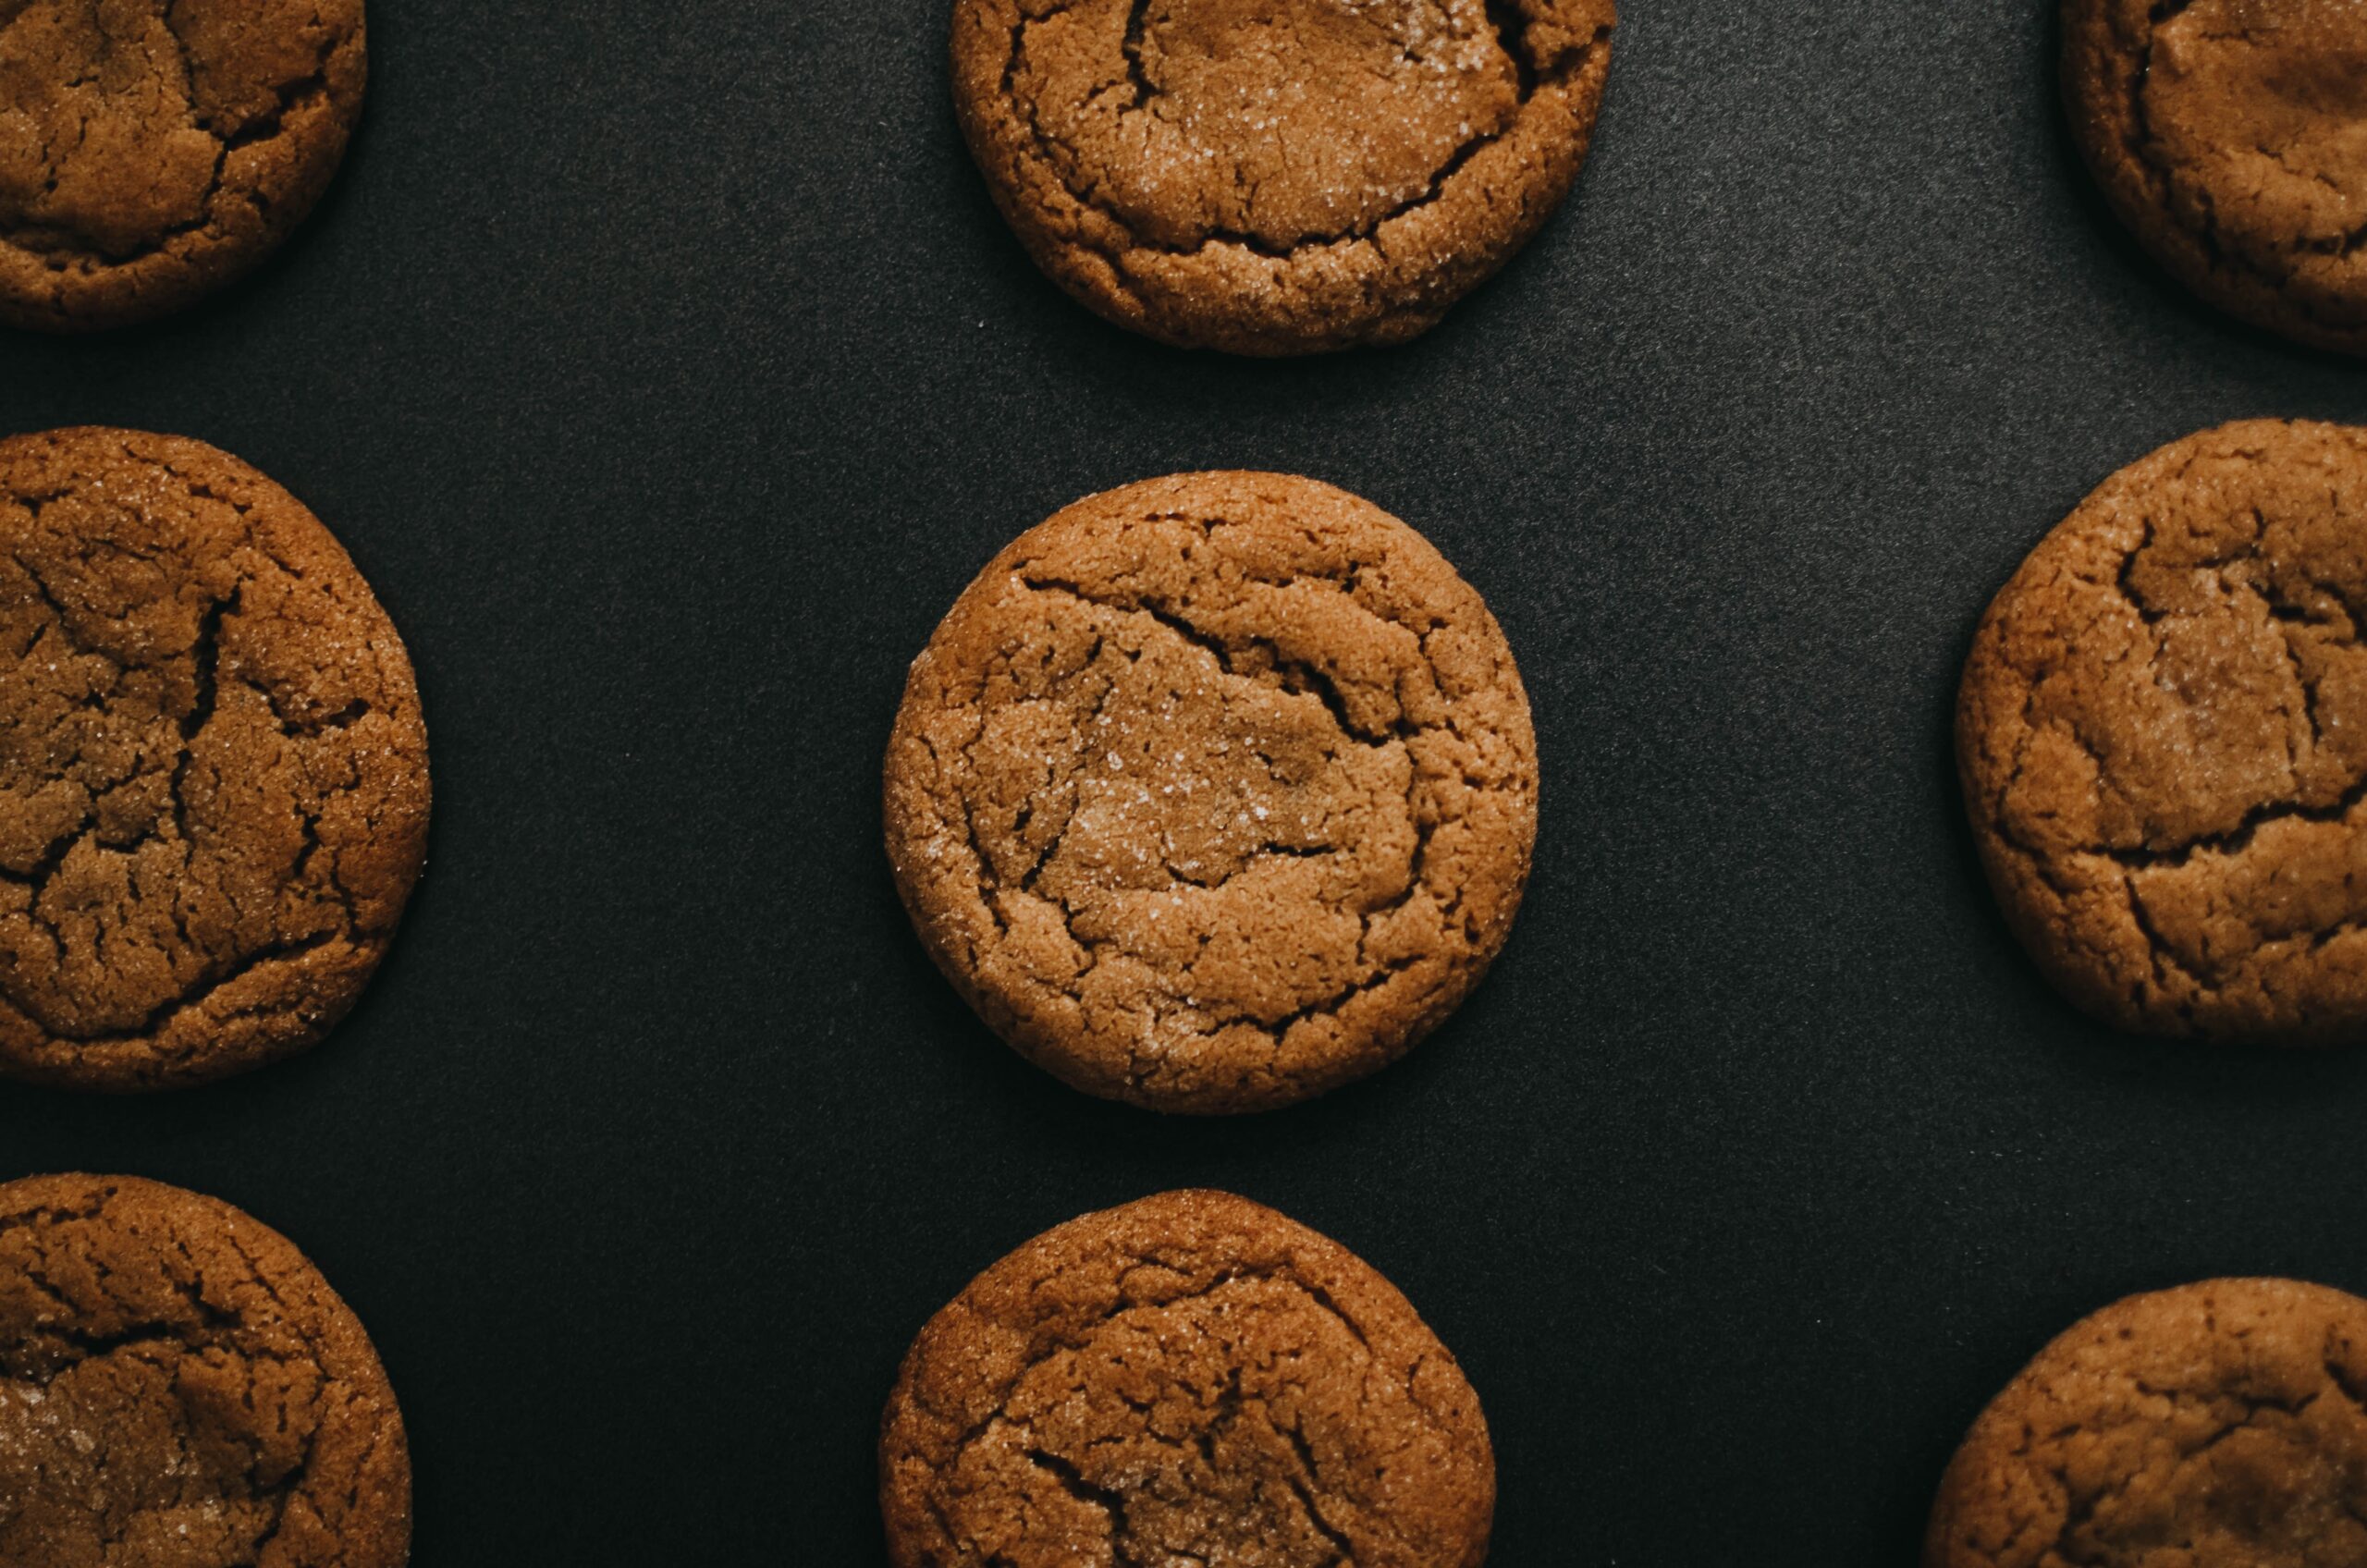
x,y
1189,1378
1279,177
213,786
2163,735
1215,791
180,1389
2231,137
152,150
2218,1424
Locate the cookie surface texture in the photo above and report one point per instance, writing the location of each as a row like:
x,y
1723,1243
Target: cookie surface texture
x,y
212,767
1189,1378
180,1389
152,150
2214,1426
1214,793
1278,177
2231,137
2163,737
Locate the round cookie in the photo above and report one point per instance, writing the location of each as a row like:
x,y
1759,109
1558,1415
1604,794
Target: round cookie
x,y
180,1389
1278,178
1214,793
2163,737
152,150
2214,1424
2231,136
213,769
1189,1378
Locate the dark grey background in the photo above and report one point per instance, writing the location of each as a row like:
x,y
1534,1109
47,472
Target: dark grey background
x,y
667,372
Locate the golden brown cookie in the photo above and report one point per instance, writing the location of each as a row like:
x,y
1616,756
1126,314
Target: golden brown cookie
x,y
2162,736
1215,791
1278,177
1189,1378
2231,136
180,1389
153,150
2214,1425
213,769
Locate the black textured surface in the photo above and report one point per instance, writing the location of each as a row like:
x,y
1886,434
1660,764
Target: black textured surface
x,y
668,373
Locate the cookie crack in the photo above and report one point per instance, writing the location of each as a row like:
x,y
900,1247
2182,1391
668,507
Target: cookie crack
x,y
2164,959
1137,77
37,877
205,665
1302,1485
1510,22
35,506
2238,838
191,998
2351,1393
1300,678
1380,979
1072,1481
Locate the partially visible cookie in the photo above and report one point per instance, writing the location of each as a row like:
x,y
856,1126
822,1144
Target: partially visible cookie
x,y
1215,791
2214,1425
212,769
152,150
2231,136
2163,735
1189,1378
180,1389
1284,178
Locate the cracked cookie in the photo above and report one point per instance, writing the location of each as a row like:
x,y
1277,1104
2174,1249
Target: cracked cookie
x,y
180,1389
1278,177
1188,1378
2214,1424
1214,793
2163,739
153,150
213,769
2231,136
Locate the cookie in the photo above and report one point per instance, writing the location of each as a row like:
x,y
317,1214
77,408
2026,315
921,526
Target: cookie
x,y
2163,737
152,150
1281,179
1214,793
213,769
2231,137
2219,1422
180,1389
1189,1378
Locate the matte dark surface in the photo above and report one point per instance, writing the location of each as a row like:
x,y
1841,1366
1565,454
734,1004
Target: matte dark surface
x,y
668,372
